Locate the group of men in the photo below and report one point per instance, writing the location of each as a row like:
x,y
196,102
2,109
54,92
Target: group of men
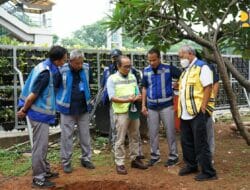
x,y
55,85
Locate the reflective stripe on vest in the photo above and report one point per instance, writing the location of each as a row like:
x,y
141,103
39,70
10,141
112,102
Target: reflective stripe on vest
x,y
161,100
61,103
86,70
40,110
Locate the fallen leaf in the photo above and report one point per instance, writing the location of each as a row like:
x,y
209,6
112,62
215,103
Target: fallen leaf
x,y
96,151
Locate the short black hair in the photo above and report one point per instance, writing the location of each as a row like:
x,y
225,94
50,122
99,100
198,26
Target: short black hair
x,y
156,51
56,53
115,53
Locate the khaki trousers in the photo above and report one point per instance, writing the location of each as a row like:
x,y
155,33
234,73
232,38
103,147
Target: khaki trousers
x,y
124,126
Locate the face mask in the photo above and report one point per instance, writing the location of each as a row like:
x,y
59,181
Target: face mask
x,y
184,63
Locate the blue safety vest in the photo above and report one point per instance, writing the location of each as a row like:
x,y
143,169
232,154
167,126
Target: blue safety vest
x,y
159,88
43,108
86,70
63,95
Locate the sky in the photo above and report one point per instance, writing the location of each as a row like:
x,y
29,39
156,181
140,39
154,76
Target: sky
x,y
70,15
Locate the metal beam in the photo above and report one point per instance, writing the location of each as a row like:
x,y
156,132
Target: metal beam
x,y
3,1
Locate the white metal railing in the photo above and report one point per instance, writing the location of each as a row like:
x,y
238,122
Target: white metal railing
x,y
15,95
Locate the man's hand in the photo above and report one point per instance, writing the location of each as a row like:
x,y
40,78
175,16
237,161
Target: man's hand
x,y
138,97
144,111
131,98
21,113
203,109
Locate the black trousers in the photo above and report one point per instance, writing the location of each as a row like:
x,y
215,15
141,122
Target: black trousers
x,y
194,144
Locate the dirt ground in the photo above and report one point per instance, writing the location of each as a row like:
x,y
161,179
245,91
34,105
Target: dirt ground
x,y
232,162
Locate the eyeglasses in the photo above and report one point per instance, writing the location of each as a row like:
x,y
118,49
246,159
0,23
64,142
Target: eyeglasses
x,y
127,66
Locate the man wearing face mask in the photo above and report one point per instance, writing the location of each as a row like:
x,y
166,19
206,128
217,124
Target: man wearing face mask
x,y
73,98
194,107
157,105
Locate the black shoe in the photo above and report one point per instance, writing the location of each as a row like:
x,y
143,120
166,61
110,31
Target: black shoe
x,y
187,170
205,177
172,162
137,163
51,175
42,184
67,168
87,164
152,162
121,170
141,157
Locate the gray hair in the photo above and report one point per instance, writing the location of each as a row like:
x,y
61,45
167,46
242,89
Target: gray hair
x,y
75,54
120,58
188,49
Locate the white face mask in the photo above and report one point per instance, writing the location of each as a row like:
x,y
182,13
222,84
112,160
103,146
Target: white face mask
x,y
184,63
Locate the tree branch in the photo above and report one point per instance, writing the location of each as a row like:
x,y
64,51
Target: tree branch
x,y
208,55
192,36
176,14
206,21
172,41
223,19
159,27
235,73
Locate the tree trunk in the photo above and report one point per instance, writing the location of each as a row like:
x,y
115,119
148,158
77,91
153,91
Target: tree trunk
x,y
231,96
238,76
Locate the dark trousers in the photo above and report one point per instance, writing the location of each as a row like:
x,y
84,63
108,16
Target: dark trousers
x,y
194,144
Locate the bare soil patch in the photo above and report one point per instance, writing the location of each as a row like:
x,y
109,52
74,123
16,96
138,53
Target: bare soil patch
x,y
232,162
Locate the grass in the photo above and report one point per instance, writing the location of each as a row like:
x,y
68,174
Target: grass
x,y
227,118
103,159
54,155
13,163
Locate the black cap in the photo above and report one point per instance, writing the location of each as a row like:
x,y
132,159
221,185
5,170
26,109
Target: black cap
x,y
115,53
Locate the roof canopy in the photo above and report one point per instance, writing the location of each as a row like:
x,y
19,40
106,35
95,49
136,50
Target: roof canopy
x,y
32,6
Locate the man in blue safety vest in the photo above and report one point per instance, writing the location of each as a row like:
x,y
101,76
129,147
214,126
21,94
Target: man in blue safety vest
x,y
72,101
157,105
37,101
